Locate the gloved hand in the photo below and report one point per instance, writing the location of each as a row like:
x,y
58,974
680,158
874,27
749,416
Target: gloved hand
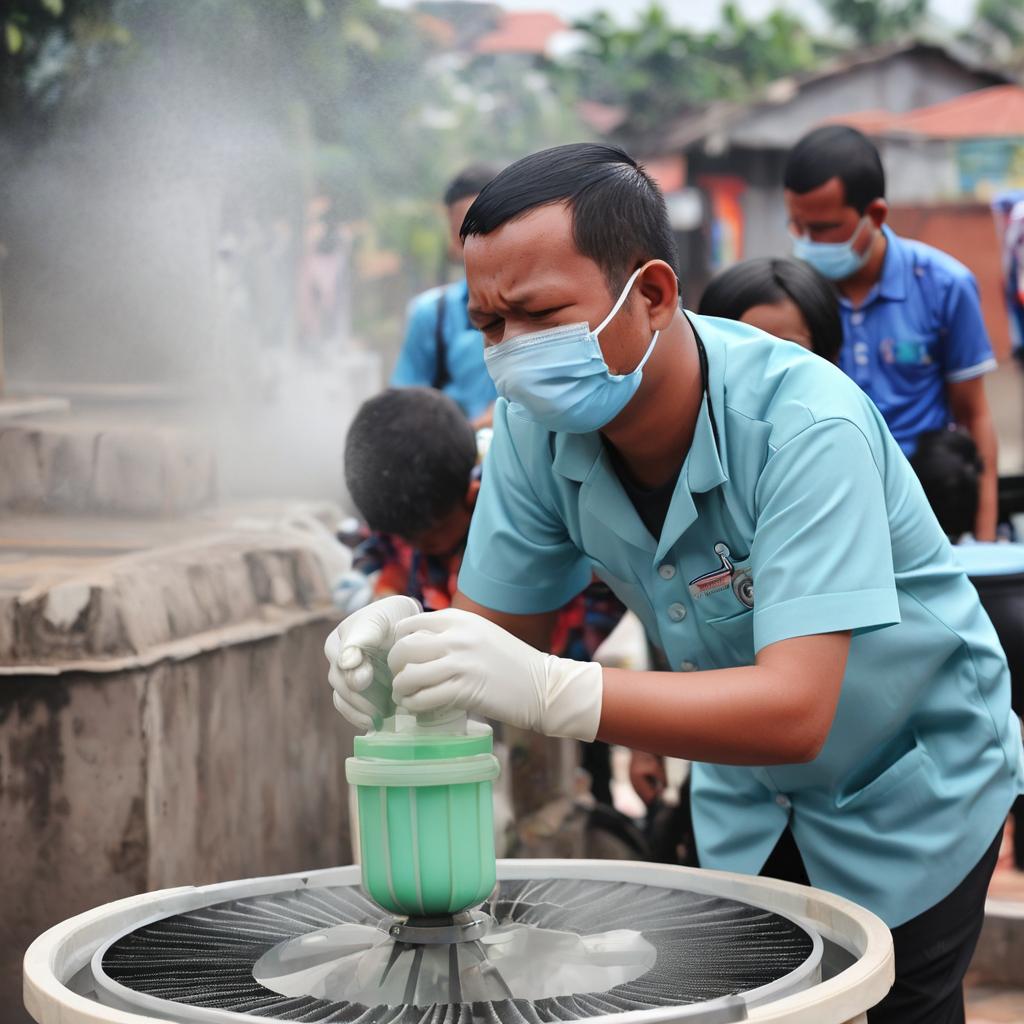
x,y
357,651
454,658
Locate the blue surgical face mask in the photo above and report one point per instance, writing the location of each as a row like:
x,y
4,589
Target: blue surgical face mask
x,y
559,376
834,260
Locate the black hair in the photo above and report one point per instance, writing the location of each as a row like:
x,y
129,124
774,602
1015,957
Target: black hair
x,y
731,292
469,181
949,467
409,456
619,219
836,151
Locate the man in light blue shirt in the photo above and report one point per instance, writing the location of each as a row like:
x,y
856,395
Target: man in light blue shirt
x,y
834,673
913,334
442,349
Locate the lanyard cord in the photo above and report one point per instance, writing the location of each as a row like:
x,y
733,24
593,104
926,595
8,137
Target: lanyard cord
x,y
706,382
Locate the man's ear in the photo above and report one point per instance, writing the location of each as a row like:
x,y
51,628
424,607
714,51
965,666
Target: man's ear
x,y
659,288
471,493
878,211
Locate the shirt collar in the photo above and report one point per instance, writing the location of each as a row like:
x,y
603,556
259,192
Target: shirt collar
x,y
581,457
893,283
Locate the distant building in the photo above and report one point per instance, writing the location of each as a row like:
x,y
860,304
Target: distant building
x,y
971,146
477,29
532,33
735,152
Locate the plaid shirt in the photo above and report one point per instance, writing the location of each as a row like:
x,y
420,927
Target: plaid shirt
x,y
398,568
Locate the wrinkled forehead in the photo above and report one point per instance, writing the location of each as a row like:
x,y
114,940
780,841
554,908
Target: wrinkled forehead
x,y
530,252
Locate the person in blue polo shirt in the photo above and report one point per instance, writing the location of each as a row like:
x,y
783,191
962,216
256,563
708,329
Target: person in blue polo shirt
x,y
914,337
441,348
834,675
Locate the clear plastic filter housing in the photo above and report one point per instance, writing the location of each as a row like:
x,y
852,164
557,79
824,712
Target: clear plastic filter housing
x,y
426,821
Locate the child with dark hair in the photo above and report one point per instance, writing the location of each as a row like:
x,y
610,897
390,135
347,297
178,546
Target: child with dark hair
x,y
786,298
410,459
949,467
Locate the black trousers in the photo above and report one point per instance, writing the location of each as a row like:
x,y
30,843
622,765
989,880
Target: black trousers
x,y
933,950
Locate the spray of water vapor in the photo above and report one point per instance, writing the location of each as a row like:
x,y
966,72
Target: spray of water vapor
x,y
160,244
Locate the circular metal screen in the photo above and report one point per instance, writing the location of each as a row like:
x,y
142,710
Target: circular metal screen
x,y
711,952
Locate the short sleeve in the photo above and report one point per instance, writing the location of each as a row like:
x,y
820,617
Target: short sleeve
x,y
967,351
519,557
416,366
821,557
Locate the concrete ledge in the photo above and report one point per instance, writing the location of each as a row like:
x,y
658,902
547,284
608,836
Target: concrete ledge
x,y
71,465
127,610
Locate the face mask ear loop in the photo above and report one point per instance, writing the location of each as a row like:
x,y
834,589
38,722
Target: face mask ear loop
x,y
647,354
864,218
621,299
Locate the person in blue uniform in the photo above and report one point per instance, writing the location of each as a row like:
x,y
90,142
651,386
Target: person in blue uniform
x,y
833,675
914,337
441,348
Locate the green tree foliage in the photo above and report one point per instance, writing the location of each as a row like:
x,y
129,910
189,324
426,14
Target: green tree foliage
x,y
48,48
655,69
997,30
871,22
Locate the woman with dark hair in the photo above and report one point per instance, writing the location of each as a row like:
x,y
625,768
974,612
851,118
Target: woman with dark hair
x,y
786,298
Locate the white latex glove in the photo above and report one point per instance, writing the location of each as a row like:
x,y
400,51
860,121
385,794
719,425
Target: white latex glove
x,y
454,658
357,651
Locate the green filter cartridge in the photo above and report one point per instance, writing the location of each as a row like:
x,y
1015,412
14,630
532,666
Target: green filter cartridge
x,y
426,829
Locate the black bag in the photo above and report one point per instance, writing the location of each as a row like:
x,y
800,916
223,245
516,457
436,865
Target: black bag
x,y
441,375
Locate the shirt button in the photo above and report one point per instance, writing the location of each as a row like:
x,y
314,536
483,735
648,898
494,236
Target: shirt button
x,y
783,801
666,571
677,612
856,318
687,666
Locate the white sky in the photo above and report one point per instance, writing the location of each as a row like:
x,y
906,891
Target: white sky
x,y
704,13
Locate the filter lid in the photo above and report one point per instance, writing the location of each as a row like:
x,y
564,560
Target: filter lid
x,y
454,771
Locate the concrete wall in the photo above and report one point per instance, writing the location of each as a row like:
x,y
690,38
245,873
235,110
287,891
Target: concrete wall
x,y
225,765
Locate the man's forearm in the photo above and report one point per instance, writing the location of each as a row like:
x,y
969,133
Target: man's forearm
x,y
727,716
969,406
778,711
982,430
534,629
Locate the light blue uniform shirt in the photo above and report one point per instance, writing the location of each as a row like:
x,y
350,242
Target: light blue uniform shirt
x,y
469,383
822,514
919,329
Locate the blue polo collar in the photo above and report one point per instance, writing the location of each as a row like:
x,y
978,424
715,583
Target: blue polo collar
x,y
893,282
892,285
